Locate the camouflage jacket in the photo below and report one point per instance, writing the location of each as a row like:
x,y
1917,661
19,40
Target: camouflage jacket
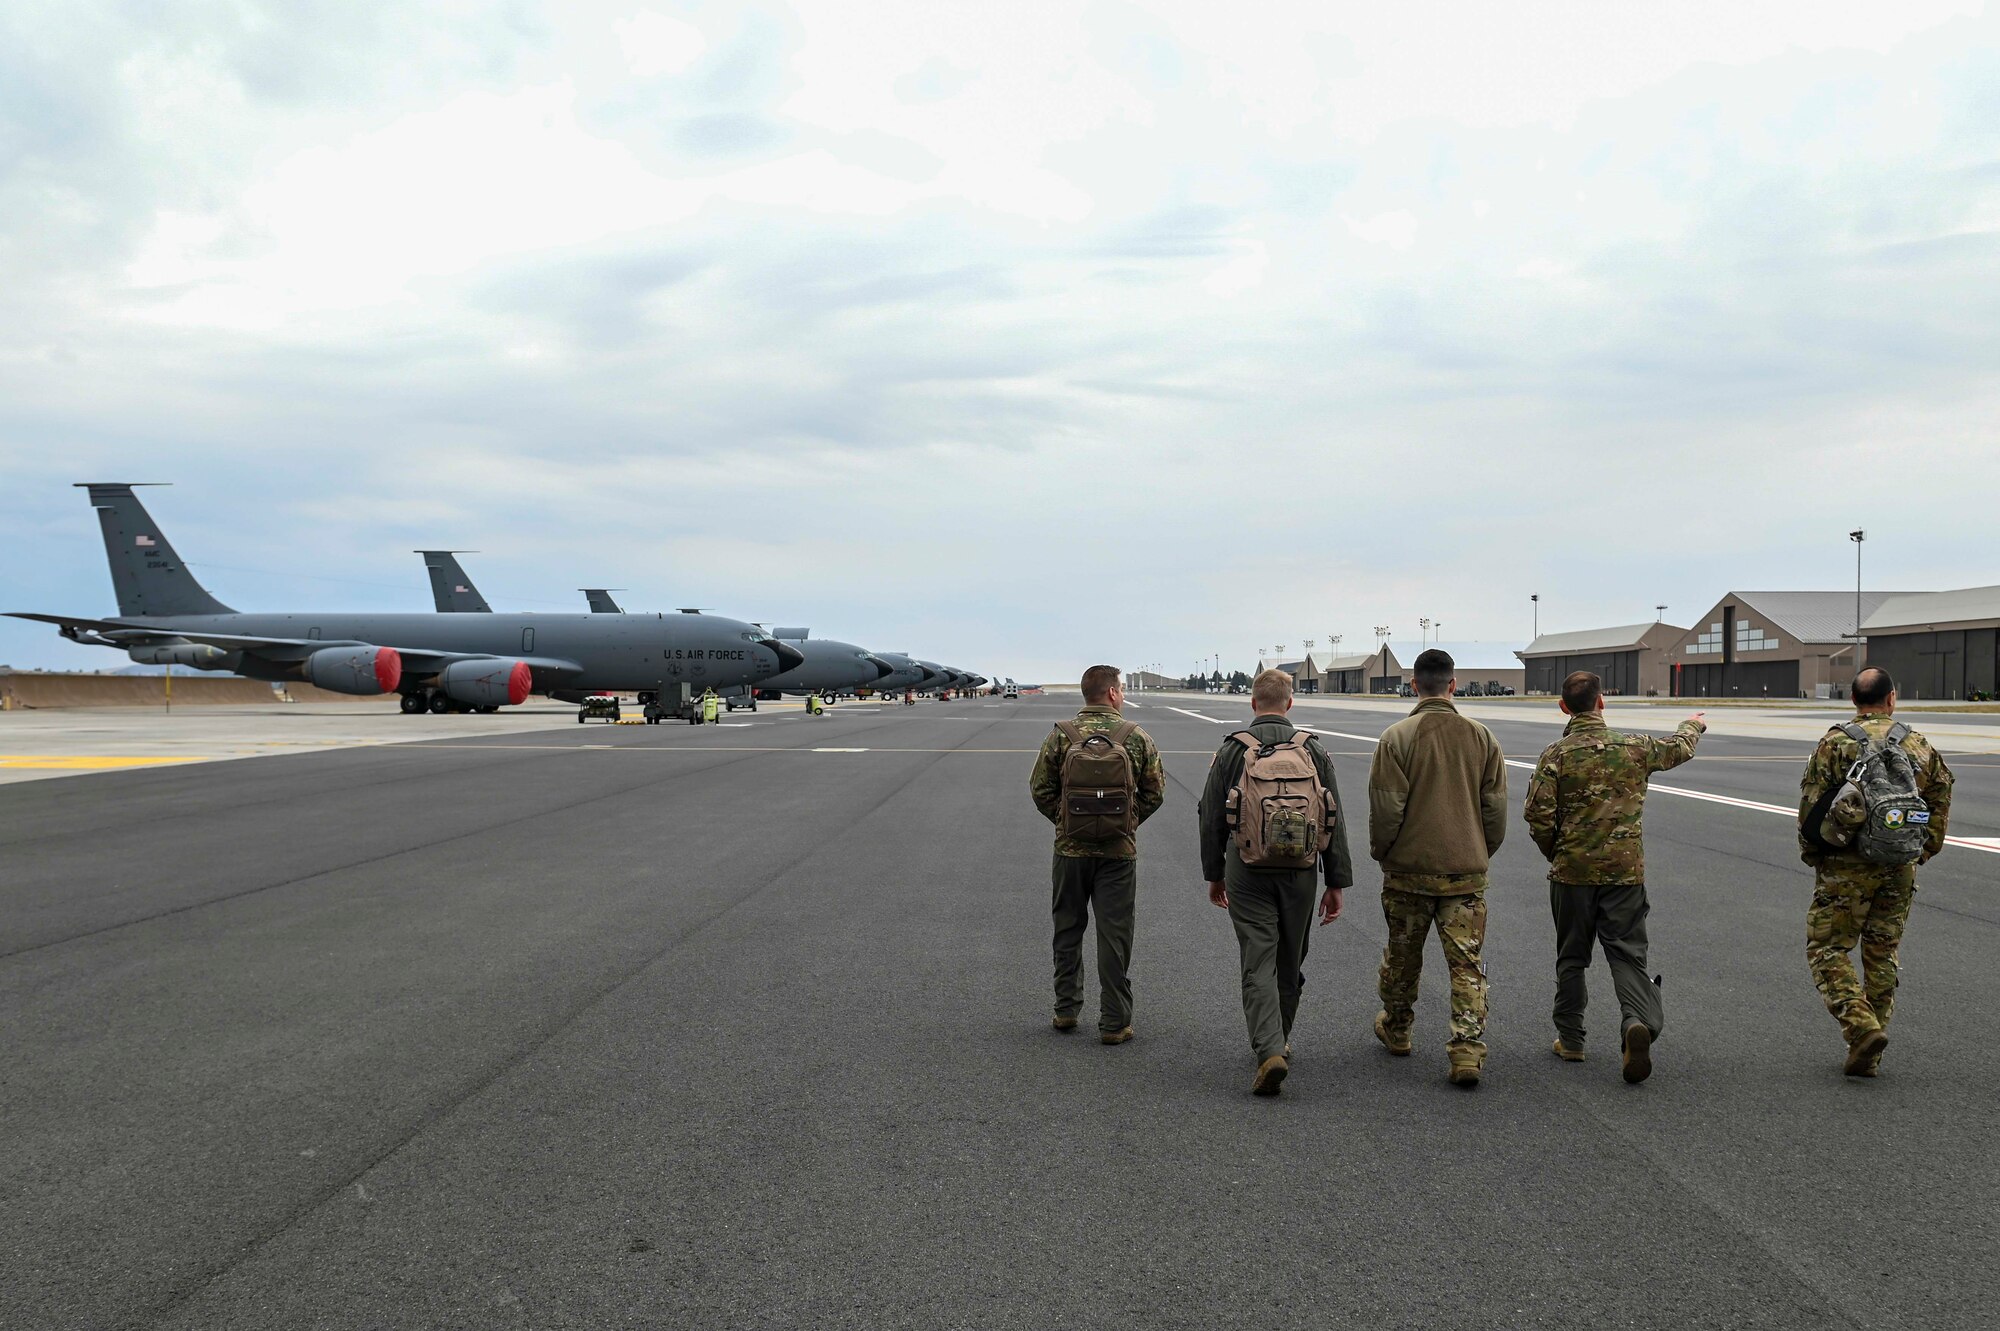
x,y
1045,783
1828,767
1587,799
1336,865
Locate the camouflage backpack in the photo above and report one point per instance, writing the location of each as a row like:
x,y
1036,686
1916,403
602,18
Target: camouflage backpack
x,y
1282,816
1877,812
1098,785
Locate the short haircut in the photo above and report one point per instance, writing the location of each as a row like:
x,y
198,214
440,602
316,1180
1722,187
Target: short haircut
x,y
1270,691
1580,691
1873,685
1432,672
1098,681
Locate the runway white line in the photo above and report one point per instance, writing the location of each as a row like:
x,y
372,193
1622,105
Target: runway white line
x,y
1991,845
1212,720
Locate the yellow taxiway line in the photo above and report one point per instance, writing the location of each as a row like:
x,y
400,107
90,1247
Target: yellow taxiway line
x,y
85,762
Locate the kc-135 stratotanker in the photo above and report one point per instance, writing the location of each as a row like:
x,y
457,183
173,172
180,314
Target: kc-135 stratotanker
x,y
436,662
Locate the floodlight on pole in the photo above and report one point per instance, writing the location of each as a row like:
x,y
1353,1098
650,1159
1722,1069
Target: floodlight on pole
x,y
1857,536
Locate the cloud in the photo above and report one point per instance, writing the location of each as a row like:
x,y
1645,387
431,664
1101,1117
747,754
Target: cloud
x,y
944,307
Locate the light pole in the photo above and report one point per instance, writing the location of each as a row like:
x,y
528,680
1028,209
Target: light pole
x,y
1659,613
1857,536
1423,633
1381,637
1537,600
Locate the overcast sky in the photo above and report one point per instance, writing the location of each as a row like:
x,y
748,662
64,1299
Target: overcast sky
x,y
1020,336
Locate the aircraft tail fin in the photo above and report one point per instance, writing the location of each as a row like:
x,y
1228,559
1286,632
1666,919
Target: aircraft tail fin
x,y
600,600
791,635
148,577
451,589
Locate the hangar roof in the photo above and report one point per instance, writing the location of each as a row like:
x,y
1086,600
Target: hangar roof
x,y
1920,609
1622,638
1815,616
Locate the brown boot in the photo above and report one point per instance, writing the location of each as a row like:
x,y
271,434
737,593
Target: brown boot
x,y
1270,1075
1063,1024
1399,1045
1564,1052
1638,1052
1115,1037
1464,1074
1864,1056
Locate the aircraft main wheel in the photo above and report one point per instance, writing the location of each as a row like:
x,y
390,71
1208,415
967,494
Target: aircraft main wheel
x,y
440,704
412,703
579,718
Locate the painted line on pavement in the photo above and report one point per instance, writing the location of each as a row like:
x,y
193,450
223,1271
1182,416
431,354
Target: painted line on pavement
x,y
1212,720
85,762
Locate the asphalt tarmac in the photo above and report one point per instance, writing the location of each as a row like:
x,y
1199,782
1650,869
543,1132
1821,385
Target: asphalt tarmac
x,y
748,1026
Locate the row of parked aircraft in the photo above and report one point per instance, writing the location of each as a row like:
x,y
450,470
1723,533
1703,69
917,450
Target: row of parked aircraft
x,y
466,656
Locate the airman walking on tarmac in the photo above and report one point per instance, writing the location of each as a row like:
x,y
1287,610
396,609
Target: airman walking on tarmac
x,y
1873,805
1437,810
1271,827
1585,809
1097,778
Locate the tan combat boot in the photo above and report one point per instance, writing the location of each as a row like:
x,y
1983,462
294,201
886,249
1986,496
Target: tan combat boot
x,y
1063,1024
1464,1070
1115,1037
1564,1052
1638,1052
1864,1056
1399,1045
1270,1075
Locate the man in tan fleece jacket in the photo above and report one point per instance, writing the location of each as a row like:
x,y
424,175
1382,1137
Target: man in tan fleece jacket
x,y
1437,810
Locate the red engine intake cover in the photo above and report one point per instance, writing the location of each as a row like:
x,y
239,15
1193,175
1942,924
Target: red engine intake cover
x,y
388,668
519,681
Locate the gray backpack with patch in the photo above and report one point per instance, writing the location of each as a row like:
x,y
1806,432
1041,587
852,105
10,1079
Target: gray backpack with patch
x,y
1877,813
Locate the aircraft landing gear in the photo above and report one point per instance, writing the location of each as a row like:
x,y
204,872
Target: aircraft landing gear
x,y
414,703
441,703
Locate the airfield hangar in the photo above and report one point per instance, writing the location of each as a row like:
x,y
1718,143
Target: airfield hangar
x,y
1633,660
1938,644
1775,645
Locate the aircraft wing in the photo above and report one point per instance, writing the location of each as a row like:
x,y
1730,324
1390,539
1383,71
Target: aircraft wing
x,y
416,660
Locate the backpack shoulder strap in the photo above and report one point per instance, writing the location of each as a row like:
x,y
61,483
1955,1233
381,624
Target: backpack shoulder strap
x,y
1855,731
1122,732
1898,732
1249,741
1070,731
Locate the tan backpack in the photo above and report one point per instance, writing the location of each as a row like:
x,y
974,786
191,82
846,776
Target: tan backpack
x,y
1098,785
1282,816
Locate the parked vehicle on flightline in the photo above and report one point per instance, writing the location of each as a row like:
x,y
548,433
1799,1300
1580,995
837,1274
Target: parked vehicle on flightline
x,y
599,707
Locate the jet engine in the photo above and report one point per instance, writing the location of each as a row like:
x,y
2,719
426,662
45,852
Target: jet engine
x,y
194,655
358,670
488,682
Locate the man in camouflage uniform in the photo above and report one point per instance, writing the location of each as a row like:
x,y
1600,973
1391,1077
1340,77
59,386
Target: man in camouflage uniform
x,y
1856,901
1586,803
1437,810
1097,875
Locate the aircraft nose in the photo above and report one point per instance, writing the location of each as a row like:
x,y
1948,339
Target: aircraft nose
x,y
882,668
789,657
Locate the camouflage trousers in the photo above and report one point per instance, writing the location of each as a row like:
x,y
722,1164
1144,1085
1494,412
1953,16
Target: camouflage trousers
x,y
1865,905
1461,930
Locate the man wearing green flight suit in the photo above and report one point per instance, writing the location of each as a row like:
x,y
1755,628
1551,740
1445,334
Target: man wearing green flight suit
x,y
1097,874
1586,806
1271,908
1857,901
